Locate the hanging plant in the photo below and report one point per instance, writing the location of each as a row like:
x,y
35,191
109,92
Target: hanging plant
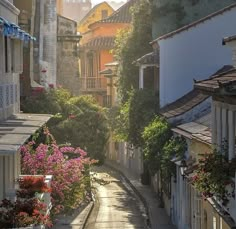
x,y
213,176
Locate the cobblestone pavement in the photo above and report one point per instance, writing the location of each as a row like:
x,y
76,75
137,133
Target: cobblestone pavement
x,y
116,205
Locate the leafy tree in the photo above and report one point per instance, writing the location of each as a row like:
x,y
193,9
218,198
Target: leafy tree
x,y
130,45
86,127
77,120
128,121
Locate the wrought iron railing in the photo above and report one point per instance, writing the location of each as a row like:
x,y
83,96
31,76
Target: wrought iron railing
x,y
92,83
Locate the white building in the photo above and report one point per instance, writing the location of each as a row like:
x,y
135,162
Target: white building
x,y
15,128
193,52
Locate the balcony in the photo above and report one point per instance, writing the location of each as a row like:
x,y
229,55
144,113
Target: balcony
x,y
92,84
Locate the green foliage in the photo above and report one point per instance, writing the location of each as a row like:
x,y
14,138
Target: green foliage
x,y
155,136
143,106
175,147
77,120
214,172
169,8
128,121
130,45
119,122
86,127
48,102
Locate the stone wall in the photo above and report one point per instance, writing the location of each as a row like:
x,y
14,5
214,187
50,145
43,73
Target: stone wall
x,y
67,55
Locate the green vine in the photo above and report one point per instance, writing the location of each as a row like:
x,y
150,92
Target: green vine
x,y
129,121
175,147
155,136
131,44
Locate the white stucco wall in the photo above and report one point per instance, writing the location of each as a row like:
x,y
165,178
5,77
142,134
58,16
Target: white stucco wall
x,y
195,53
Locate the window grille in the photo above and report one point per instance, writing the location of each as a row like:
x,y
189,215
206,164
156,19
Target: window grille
x,y
7,95
11,94
1,97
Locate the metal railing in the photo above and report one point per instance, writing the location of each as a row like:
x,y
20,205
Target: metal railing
x,y
92,83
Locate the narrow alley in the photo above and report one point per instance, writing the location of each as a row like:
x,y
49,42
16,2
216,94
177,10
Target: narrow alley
x,y
116,205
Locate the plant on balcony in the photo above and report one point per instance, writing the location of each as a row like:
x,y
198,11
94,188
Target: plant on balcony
x,y
213,176
30,185
71,183
23,213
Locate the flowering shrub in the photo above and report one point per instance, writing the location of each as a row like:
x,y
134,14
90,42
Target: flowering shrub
x,y
76,119
29,185
71,183
214,172
22,213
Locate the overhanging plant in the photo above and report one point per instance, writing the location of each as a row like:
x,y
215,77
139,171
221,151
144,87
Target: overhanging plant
x,y
213,176
23,213
155,136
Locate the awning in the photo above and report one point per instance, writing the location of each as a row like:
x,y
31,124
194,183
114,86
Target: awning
x,y
12,30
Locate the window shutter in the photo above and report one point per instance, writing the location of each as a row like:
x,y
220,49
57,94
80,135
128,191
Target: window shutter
x,y
18,57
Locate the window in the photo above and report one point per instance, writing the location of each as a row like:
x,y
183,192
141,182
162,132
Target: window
x,y
17,56
6,54
104,14
2,55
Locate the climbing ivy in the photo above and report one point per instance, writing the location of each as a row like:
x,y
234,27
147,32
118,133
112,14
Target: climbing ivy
x,y
160,147
131,44
155,136
129,120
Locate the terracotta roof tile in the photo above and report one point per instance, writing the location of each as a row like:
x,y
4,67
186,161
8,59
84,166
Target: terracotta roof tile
x,y
215,83
122,15
100,42
184,28
93,10
184,104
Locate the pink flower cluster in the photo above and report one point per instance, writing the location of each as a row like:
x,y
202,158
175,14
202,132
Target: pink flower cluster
x,y
51,160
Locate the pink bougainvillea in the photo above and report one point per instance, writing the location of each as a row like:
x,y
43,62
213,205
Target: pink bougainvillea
x,y
70,183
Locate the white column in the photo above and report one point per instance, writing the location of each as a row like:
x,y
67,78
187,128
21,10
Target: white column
x,y
219,127
213,123
141,70
1,179
224,125
231,126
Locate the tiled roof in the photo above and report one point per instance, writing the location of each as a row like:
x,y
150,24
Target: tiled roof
x,y
184,104
184,28
122,15
198,129
106,71
91,11
228,39
150,58
218,81
100,42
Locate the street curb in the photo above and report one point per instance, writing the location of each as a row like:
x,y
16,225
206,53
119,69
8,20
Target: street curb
x,y
148,221
91,205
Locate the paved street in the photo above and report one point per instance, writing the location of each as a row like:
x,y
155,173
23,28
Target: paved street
x,y
116,205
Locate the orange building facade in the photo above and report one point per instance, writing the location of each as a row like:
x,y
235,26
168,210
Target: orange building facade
x,y
95,51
